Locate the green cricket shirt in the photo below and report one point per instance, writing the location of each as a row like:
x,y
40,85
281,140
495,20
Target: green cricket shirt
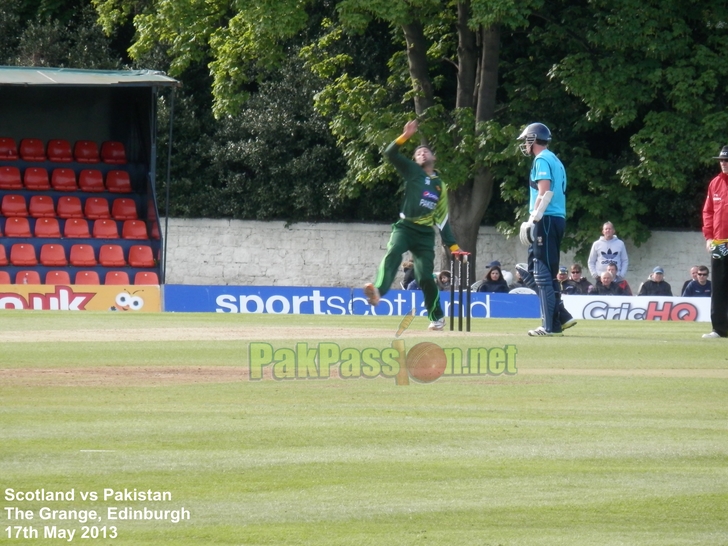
x,y
425,197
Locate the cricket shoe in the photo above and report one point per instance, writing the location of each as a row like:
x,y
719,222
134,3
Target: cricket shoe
x,y
542,332
711,335
372,293
438,324
568,324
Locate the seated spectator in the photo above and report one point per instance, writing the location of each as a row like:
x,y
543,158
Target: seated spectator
x,y
409,273
623,284
581,284
494,281
606,287
517,282
562,277
444,280
656,285
693,277
519,287
699,288
476,285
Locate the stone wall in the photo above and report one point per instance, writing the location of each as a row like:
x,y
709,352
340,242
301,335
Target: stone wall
x,y
236,252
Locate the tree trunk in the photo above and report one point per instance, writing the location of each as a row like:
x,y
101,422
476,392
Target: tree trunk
x,y
469,202
467,59
417,61
488,82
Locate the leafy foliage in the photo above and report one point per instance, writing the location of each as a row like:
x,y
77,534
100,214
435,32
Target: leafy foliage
x,y
655,73
54,33
633,93
273,160
10,29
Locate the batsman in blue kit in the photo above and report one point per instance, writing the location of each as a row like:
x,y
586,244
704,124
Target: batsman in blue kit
x,y
544,230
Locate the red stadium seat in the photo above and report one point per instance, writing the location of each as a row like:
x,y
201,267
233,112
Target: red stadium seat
x,y
36,178
152,214
14,205
134,229
69,206
63,180
91,180
41,206
124,209
113,152
146,277
17,226
86,151
32,149
117,277
23,254
76,228
53,255
118,182
3,256
10,178
8,148
59,151
105,229
96,207
82,256
155,230
48,228
58,277
87,277
27,277
141,256
5,277
111,256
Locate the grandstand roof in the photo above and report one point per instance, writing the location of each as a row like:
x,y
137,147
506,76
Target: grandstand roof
x,y
75,77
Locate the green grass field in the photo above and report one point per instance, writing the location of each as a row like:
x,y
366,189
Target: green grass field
x,y
615,434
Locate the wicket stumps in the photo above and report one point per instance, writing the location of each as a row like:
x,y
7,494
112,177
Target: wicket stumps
x,y
463,282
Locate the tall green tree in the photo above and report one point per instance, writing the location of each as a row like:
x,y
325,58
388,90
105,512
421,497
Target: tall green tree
x,y
54,33
245,40
653,77
448,68
632,91
274,159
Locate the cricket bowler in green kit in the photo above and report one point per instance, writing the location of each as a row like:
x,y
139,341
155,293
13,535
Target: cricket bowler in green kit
x,y
424,206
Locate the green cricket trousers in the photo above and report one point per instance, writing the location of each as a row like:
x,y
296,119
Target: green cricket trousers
x,y
420,241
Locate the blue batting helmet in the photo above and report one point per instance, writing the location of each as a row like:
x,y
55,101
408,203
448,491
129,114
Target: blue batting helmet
x,y
533,132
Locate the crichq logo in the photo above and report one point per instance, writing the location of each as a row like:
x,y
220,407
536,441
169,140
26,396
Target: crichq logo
x,y
654,310
425,362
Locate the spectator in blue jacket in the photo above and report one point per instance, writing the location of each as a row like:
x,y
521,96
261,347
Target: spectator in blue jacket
x,y
494,281
701,287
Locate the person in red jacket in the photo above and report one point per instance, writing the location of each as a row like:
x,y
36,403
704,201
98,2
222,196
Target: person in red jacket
x,y
715,230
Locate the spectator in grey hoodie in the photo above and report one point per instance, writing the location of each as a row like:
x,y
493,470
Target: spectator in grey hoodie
x,y
608,249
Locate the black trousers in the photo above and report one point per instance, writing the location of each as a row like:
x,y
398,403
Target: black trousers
x,y
719,296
